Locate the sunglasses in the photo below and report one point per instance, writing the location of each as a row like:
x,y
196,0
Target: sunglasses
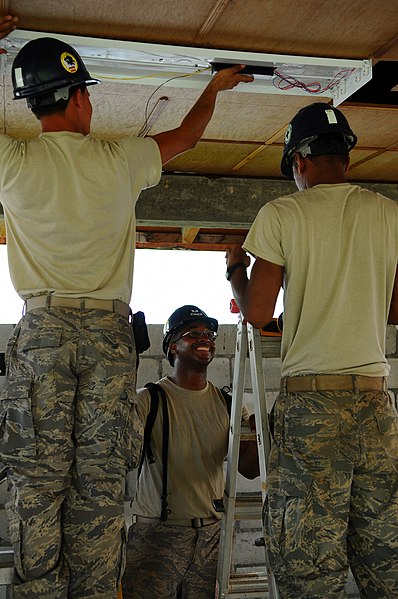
x,y
212,335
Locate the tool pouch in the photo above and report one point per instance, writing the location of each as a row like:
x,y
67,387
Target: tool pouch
x,y
140,330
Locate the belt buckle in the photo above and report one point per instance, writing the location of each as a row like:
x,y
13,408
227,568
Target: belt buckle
x,y
196,522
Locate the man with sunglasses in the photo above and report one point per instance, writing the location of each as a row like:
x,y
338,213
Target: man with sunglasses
x,y
173,546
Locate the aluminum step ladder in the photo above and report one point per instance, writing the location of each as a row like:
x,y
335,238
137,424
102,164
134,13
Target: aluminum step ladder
x,y
235,506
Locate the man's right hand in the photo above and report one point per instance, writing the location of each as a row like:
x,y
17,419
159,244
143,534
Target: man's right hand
x,y
7,24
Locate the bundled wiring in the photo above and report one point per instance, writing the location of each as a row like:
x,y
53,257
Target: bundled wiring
x,y
287,82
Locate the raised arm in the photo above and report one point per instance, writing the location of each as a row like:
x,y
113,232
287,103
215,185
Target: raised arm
x,y
256,297
174,142
7,24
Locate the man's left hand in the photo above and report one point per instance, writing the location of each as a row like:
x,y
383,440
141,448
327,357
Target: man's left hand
x,y
7,24
236,254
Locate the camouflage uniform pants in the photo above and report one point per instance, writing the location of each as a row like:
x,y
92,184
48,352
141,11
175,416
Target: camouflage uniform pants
x,y
332,495
69,431
170,562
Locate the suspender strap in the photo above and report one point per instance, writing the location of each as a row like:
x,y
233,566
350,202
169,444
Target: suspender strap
x,y
150,421
156,391
165,453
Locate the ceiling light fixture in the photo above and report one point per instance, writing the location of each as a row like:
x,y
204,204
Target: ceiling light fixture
x,y
154,64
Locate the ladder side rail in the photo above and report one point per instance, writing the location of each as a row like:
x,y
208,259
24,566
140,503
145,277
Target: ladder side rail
x,y
260,404
238,385
262,424
228,517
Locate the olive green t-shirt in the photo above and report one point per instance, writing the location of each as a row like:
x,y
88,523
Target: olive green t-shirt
x,y
338,245
198,444
69,203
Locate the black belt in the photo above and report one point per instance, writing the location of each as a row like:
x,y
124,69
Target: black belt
x,y
79,303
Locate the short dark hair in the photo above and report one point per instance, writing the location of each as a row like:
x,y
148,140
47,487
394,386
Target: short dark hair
x,y
59,107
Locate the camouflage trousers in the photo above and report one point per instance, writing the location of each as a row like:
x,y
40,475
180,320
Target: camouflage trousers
x,y
332,495
171,562
68,432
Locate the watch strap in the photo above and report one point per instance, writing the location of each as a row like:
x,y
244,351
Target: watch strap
x,y
231,269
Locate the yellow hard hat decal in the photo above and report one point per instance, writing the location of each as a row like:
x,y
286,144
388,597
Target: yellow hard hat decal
x,y
69,62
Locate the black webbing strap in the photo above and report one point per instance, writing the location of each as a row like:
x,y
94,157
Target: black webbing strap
x,y
165,453
150,421
156,390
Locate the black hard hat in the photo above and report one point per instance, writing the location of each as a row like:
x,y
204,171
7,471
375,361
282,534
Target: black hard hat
x,y
313,124
180,318
45,66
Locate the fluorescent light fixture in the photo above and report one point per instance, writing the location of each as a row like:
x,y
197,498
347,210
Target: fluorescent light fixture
x,y
154,64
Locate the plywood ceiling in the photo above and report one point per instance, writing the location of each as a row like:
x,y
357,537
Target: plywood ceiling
x,y
245,136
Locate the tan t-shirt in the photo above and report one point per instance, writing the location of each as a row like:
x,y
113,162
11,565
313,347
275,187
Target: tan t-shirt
x,y
338,245
69,204
198,445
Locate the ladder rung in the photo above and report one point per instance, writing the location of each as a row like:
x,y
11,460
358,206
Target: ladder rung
x,y
248,507
6,556
248,436
247,585
270,347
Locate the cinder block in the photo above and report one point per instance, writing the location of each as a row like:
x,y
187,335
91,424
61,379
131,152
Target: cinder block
x,y
155,332
391,340
148,371
392,379
218,372
226,340
271,374
5,332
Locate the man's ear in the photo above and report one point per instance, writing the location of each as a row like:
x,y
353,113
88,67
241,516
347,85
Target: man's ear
x,y
77,97
298,162
173,348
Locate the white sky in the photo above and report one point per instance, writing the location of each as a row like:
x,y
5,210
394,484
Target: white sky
x,y
163,281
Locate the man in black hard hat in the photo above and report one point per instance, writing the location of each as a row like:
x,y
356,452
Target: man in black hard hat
x,y
332,491
173,544
69,425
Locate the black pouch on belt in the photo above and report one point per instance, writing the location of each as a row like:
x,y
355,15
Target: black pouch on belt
x,y
140,331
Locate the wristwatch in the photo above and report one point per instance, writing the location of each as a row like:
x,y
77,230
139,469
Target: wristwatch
x,y
231,269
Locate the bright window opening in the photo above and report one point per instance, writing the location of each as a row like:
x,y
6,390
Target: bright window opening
x,y
163,281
